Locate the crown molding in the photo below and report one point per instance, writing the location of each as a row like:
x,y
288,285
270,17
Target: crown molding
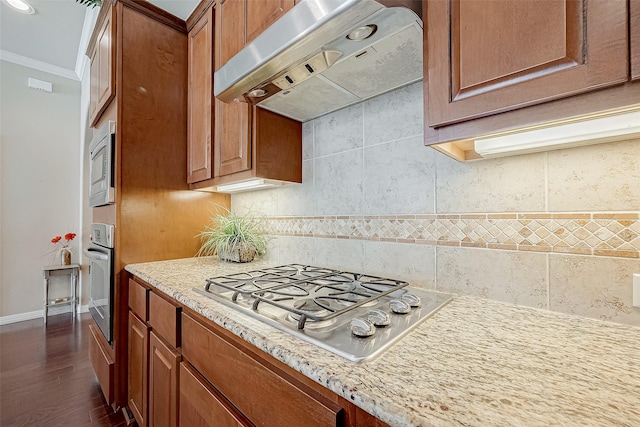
x,y
90,18
38,65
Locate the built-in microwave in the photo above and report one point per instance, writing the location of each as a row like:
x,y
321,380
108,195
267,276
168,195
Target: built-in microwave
x,y
101,165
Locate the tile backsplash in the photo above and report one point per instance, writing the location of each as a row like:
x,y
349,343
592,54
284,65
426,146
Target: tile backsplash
x,y
557,230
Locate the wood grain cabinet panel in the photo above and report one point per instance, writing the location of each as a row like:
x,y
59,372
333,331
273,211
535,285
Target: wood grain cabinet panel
x,y
230,29
102,78
202,405
138,357
263,13
164,318
493,56
233,138
200,114
138,299
101,362
295,403
163,383
634,29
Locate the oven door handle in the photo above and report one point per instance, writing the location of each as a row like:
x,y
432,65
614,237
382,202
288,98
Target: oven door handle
x,y
96,254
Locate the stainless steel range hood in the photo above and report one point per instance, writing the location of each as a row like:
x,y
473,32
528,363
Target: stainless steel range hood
x,y
324,55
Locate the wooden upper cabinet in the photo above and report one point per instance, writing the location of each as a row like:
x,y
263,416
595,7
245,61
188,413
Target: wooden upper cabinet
x,y
634,28
102,57
200,96
262,13
232,141
230,29
486,57
233,138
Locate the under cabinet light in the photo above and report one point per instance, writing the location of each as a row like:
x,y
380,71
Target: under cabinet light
x,y
577,133
252,184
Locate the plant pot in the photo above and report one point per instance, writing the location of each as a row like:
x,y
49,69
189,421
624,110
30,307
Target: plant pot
x,y
238,254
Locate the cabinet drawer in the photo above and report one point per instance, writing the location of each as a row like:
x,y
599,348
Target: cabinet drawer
x,y
138,295
164,318
102,363
202,405
250,382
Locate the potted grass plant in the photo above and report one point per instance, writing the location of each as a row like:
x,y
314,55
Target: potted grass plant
x,y
233,237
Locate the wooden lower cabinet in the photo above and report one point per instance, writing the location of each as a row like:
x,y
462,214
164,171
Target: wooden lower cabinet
x,y
163,383
202,405
102,362
138,359
262,391
214,378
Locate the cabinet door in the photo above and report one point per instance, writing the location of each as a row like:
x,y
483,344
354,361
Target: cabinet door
x,y
634,28
103,65
202,405
163,383
200,117
487,57
230,30
138,356
93,82
233,137
262,13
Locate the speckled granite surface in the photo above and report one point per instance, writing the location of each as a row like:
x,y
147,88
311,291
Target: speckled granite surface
x,y
474,363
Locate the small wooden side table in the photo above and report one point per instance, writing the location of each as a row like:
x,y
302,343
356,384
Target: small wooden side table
x,y
74,271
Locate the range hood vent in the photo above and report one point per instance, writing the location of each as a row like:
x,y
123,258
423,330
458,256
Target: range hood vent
x,y
324,55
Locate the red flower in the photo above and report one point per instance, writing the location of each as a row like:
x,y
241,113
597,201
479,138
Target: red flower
x,y
69,236
56,239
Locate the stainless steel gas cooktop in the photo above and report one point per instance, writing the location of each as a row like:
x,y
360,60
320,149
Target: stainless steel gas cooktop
x,y
354,315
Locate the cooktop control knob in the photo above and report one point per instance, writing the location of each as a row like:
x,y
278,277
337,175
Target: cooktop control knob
x,y
399,306
362,327
379,318
411,299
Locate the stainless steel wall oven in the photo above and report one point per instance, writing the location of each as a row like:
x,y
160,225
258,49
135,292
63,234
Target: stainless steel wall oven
x,y
101,166
101,277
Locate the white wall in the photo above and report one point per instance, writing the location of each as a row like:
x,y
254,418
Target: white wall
x,y
39,182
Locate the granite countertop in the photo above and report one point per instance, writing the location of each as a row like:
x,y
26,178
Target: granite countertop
x,y
474,363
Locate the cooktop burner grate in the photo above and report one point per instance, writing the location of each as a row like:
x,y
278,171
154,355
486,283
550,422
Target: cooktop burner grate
x,y
354,315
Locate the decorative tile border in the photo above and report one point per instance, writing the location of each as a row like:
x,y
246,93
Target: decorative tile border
x,y
600,234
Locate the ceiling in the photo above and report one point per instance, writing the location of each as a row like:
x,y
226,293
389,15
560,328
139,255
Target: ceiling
x,y
54,39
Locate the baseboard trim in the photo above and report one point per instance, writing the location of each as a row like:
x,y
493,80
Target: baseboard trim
x,y
21,317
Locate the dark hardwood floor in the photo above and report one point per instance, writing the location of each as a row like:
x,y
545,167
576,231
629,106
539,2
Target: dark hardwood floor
x,y
46,378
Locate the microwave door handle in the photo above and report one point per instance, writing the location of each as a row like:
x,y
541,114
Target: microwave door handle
x,y
96,254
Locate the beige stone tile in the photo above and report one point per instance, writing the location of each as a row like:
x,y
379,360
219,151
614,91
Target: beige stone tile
x,y
344,254
297,199
338,188
413,263
514,184
394,115
594,287
338,131
601,177
272,255
513,277
296,250
398,178
264,202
